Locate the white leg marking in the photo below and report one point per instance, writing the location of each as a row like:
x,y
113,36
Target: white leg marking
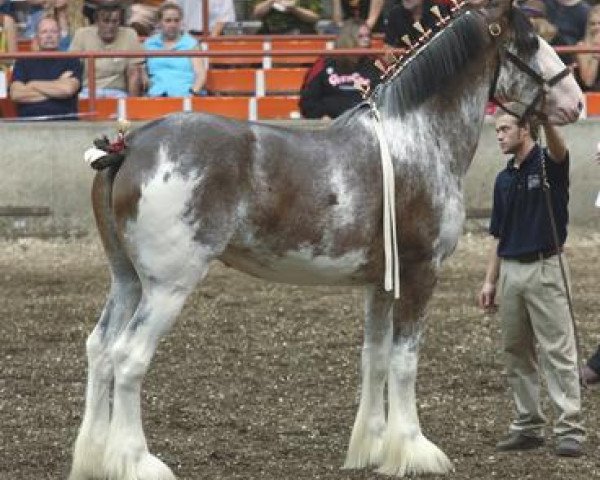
x,y
406,451
127,456
91,441
366,441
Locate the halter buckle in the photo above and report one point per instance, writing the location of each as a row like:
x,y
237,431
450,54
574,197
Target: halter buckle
x,y
495,29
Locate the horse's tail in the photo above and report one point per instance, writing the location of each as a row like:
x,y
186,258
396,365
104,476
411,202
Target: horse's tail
x,y
105,154
106,223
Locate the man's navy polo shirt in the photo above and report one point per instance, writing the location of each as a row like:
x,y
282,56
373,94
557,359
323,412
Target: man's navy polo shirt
x,y
520,218
28,69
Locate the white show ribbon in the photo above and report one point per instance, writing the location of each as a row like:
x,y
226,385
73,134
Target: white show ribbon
x,y
92,154
390,241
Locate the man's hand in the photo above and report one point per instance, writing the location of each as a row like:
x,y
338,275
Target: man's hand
x,y
66,74
487,297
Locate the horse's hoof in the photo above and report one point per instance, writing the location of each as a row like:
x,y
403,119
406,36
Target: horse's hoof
x,y
415,456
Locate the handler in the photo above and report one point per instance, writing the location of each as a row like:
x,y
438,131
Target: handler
x,y
533,302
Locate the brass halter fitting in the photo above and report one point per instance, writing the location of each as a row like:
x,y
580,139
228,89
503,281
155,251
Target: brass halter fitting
x,y
495,29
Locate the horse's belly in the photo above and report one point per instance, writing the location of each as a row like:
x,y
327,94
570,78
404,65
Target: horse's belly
x,y
300,267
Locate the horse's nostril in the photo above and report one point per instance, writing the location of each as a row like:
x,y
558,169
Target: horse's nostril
x,y
580,106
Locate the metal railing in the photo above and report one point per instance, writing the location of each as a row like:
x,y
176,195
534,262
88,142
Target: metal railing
x,y
91,56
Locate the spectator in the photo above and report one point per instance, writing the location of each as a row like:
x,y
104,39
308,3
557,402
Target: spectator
x,y
287,16
367,10
143,16
219,12
58,9
8,34
331,84
47,87
115,77
570,18
173,76
537,14
6,7
401,18
588,62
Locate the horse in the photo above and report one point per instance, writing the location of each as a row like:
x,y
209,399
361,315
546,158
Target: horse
x,y
305,207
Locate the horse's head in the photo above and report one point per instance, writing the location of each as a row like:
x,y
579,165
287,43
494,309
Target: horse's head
x,y
529,71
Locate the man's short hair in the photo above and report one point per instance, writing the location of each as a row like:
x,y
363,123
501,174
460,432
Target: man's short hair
x,y
112,6
532,123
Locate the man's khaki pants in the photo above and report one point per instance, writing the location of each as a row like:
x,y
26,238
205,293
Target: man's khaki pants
x,y
534,309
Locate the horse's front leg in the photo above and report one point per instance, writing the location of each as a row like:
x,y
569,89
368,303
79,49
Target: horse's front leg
x,y
367,435
406,451
88,453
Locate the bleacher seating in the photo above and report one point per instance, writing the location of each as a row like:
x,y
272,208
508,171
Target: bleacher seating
x,y
245,88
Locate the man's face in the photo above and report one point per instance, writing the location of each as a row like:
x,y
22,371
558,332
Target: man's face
x,y
509,135
411,5
108,25
48,34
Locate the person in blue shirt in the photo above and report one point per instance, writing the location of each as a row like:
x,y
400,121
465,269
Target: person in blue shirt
x,y
47,87
534,309
173,76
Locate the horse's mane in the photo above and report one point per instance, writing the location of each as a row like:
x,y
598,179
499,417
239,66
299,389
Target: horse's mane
x,y
430,70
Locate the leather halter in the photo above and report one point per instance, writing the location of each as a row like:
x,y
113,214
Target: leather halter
x,y
543,84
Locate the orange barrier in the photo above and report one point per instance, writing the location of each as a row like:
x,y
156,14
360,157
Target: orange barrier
x,y
7,108
105,108
143,108
232,107
256,82
237,46
295,45
277,108
592,103
238,81
282,81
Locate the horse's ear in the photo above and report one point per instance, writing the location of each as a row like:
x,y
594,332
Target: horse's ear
x,y
495,10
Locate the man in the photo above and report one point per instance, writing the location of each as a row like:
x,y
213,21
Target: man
x,y
219,12
401,18
569,17
533,303
287,16
115,77
46,87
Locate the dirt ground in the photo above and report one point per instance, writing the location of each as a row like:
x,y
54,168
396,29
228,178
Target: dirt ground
x,y
260,381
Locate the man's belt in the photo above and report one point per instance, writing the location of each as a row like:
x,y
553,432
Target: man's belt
x,y
535,256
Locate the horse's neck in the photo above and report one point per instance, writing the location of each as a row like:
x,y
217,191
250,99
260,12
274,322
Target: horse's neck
x,y
446,127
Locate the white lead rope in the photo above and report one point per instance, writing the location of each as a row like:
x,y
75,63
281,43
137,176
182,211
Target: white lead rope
x,y
390,241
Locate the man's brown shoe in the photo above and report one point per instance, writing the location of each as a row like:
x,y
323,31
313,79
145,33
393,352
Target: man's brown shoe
x,y
569,447
519,441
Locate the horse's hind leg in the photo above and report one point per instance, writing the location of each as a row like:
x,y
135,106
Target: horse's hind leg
x,y
164,293
406,451
367,435
122,301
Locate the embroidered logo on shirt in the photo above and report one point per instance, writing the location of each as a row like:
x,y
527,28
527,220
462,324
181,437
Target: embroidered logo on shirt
x,y
533,181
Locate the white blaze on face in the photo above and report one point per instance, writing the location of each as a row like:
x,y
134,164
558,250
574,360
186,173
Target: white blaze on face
x,y
565,97
162,235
